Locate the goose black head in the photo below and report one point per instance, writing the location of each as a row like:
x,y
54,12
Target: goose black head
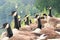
x,y
36,16
14,13
44,14
25,15
5,25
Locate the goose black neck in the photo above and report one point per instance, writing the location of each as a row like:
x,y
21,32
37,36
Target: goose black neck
x,y
9,31
16,22
27,21
30,21
19,23
39,23
50,13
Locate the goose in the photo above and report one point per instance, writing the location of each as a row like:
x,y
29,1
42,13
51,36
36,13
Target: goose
x,y
43,19
53,21
38,29
15,16
26,27
49,31
27,19
35,24
50,12
10,34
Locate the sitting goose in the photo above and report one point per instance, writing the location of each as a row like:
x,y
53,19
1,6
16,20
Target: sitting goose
x,y
38,29
10,35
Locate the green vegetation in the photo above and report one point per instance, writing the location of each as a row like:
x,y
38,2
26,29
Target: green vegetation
x,y
55,4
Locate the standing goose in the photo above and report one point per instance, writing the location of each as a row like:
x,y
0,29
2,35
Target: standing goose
x,y
15,16
50,12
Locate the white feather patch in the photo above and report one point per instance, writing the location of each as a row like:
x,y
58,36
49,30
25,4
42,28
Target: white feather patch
x,y
7,26
57,32
14,14
37,30
42,37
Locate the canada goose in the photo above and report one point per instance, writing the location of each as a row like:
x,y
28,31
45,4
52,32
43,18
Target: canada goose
x,y
50,12
38,29
35,24
39,23
15,15
42,19
49,31
9,32
27,20
54,21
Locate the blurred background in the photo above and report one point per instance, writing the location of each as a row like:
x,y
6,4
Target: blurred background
x,y
24,7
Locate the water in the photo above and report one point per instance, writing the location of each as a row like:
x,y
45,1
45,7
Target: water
x,y
1,31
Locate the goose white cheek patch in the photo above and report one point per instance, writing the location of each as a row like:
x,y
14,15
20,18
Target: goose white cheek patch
x,y
50,8
37,17
7,26
19,20
14,14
